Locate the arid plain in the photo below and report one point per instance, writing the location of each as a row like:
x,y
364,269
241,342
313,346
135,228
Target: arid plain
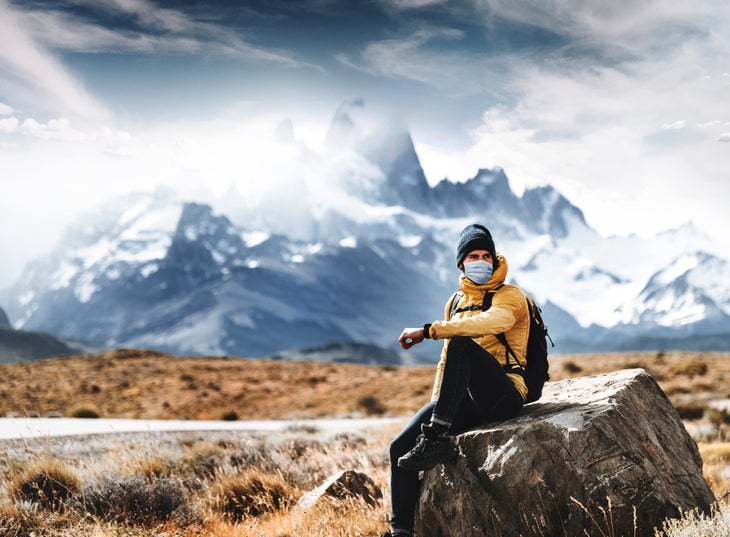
x,y
239,485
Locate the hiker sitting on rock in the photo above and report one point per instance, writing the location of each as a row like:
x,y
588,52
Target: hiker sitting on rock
x,y
475,382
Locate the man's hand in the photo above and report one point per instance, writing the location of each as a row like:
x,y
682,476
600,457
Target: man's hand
x,y
410,337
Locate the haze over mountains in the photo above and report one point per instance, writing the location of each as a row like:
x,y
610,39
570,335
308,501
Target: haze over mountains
x,y
351,244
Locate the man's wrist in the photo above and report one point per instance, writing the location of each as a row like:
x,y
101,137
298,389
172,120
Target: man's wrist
x,y
427,330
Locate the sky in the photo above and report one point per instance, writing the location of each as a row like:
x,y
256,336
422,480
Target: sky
x,y
623,106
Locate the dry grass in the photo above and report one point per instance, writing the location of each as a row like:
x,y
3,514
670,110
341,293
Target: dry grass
x,y
716,468
47,483
694,524
217,486
130,383
251,493
241,485
140,384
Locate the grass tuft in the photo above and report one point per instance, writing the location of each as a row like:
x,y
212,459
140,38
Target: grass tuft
x,y
251,493
696,524
48,483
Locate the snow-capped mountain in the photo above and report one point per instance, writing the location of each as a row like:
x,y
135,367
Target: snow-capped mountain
x,y
174,276
357,248
23,346
693,290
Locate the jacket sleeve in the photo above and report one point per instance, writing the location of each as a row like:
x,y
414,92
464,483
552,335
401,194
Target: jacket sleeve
x,y
507,307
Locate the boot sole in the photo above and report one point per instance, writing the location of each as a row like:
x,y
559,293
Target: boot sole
x,y
415,467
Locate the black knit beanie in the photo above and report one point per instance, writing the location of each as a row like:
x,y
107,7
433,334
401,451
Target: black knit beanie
x,y
474,237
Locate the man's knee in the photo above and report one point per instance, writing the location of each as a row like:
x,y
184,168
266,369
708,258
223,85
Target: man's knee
x,y
401,444
394,449
459,343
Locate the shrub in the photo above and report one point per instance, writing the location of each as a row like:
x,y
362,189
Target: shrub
x,y
203,460
689,369
690,412
572,368
251,493
694,523
718,417
231,415
48,483
135,500
85,412
371,405
18,521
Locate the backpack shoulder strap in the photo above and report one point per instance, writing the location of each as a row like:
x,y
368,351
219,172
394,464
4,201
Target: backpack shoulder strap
x,y
455,299
487,303
501,337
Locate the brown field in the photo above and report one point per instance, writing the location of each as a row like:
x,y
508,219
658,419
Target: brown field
x,y
143,384
227,484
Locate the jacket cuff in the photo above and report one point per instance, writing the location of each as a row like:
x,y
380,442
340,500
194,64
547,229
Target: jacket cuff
x,y
427,330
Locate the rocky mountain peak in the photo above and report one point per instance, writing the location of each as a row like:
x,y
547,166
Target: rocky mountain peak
x,y
550,212
4,321
343,129
150,270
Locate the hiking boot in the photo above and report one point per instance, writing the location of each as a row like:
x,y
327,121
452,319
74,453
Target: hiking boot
x,y
431,449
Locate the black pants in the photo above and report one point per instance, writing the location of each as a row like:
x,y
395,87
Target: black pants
x,y
474,389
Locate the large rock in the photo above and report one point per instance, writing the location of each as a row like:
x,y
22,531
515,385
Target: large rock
x,y
603,455
342,485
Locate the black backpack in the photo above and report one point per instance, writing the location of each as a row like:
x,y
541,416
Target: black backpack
x,y
535,372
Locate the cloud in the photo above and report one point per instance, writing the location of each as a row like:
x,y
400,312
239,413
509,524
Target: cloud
x,y
154,16
677,125
153,30
6,110
707,124
56,129
8,124
41,73
625,25
407,5
416,56
600,135
725,137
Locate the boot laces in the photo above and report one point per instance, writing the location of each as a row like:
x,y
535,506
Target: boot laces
x,y
421,444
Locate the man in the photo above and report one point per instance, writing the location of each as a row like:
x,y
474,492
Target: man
x,y
475,381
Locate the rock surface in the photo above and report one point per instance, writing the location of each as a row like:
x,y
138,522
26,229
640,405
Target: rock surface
x,y
602,455
342,485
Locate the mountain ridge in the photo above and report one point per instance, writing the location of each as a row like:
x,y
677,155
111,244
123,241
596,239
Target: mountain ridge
x,y
355,258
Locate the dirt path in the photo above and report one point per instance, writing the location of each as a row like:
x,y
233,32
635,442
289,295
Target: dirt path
x,y
27,428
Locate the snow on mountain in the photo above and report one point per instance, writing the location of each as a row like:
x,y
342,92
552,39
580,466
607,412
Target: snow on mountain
x,y
201,285
638,257
692,290
355,247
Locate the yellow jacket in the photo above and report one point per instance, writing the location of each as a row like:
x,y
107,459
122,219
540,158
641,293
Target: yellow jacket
x,y
508,314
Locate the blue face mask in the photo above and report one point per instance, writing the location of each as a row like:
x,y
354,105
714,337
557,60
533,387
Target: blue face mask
x,y
478,271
